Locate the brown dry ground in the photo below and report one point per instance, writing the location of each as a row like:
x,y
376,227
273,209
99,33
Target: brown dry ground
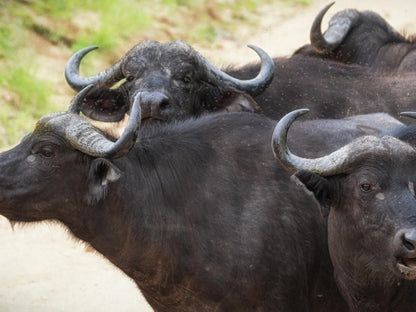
x,y
42,268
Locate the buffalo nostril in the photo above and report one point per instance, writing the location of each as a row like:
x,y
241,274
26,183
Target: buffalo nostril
x,y
164,104
409,240
408,245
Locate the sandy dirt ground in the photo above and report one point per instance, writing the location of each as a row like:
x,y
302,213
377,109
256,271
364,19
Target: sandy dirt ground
x,y
42,268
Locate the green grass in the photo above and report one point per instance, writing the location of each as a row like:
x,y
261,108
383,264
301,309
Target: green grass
x,y
24,97
33,96
112,32
29,99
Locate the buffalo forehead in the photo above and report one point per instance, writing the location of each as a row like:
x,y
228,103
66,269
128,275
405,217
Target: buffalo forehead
x,y
390,153
174,54
371,149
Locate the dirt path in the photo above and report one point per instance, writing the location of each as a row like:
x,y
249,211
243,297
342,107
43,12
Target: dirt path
x,y
44,269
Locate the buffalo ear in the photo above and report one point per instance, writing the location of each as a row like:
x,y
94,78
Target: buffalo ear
x,y
319,186
102,172
105,105
233,101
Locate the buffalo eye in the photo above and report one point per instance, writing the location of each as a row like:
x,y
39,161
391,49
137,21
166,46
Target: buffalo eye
x,y
46,153
43,150
366,187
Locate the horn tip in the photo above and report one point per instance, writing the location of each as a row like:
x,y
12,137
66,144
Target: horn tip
x,y
89,48
86,50
408,114
74,107
300,112
289,118
87,88
326,8
257,49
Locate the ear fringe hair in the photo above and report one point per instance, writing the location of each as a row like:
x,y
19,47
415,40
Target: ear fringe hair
x,y
96,194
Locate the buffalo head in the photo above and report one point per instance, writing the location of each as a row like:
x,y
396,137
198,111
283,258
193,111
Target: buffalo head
x,y
368,188
363,38
59,141
179,83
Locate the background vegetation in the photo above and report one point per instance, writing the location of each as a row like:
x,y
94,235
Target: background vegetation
x,y
38,36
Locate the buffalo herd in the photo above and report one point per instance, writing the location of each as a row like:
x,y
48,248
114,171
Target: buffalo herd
x,y
215,197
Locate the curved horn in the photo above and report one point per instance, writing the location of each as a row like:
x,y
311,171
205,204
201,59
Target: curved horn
x,y
338,28
333,163
87,139
408,114
105,78
253,86
75,106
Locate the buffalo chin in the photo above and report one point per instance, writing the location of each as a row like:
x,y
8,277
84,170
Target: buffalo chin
x,y
407,268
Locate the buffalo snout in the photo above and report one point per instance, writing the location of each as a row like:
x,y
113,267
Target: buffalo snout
x,y
405,244
153,104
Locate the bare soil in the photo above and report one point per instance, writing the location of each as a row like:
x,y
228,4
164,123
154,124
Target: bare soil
x,y
43,268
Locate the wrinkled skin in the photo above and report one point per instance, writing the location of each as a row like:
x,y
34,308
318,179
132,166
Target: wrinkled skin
x,y
370,42
370,198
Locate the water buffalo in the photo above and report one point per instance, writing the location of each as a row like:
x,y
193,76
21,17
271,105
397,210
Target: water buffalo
x,y
368,189
363,38
179,81
188,210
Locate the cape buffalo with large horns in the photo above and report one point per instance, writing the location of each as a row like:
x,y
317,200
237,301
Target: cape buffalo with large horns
x,y
367,187
178,80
